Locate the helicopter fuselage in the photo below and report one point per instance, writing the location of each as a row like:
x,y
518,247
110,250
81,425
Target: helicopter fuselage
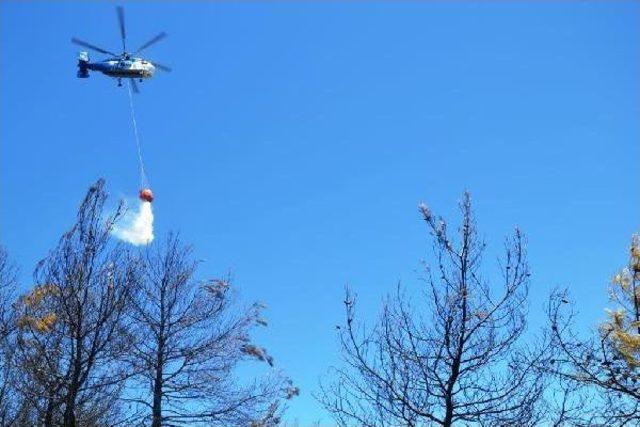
x,y
126,65
123,68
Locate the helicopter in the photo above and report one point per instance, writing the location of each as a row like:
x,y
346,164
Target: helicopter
x,y
119,66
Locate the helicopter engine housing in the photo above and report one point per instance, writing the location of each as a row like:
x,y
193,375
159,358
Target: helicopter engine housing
x,y
83,65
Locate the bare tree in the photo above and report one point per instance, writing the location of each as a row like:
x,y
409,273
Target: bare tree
x,y
461,362
71,331
192,339
604,365
10,400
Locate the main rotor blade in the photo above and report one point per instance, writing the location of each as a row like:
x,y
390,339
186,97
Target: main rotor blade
x,y
134,86
92,47
120,11
156,39
162,67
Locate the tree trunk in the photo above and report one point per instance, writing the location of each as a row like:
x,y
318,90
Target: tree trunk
x,y
69,414
48,416
157,395
70,405
74,386
157,384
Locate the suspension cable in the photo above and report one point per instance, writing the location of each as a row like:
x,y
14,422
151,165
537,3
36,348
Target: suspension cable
x,y
143,175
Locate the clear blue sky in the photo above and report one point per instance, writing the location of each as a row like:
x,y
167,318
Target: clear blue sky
x,y
293,142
